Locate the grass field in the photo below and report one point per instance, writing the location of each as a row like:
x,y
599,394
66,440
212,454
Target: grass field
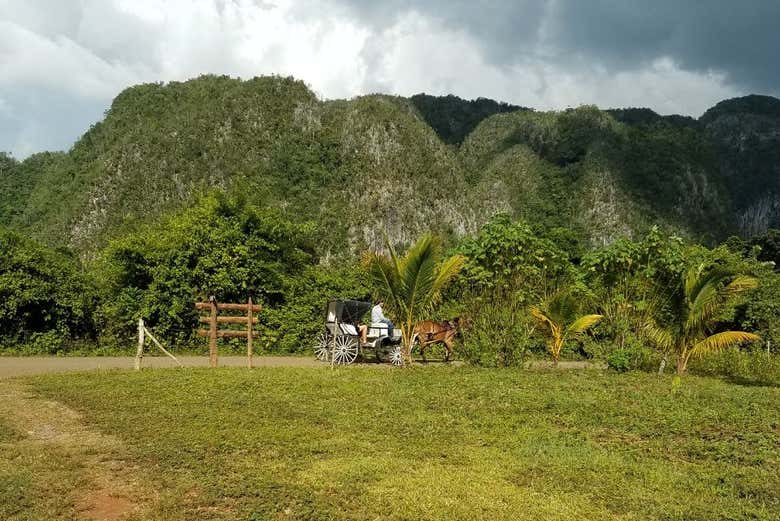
x,y
425,443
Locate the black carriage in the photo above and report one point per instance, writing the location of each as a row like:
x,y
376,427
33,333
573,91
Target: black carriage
x,y
340,342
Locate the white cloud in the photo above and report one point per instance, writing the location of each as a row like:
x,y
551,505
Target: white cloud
x,y
65,54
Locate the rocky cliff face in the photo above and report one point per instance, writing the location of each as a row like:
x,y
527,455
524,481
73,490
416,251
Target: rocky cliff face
x,y
745,133
382,166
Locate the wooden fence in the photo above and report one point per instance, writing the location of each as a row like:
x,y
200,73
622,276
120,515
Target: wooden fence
x,y
214,319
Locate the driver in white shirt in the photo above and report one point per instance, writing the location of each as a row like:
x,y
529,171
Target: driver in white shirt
x,y
377,317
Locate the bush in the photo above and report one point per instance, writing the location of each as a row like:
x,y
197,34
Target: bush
x,y
45,300
292,326
222,247
619,360
498,333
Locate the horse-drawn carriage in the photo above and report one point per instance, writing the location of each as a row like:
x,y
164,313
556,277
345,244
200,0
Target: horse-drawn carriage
x,y
340,341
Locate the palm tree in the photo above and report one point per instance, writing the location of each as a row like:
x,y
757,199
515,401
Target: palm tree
x,y
560,321
702,296
411,285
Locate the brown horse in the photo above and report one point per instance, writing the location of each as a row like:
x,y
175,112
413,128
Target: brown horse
x,y
430,332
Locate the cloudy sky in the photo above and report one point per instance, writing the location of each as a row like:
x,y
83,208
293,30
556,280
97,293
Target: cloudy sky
x,y
62,61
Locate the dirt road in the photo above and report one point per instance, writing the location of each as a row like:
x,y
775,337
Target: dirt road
x,y
30,365
19,366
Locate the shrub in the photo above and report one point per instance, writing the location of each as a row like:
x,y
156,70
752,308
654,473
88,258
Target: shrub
x,y
45,300
619,360
497,333
222,247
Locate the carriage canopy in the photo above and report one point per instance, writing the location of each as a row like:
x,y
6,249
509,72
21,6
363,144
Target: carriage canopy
x,y
346,311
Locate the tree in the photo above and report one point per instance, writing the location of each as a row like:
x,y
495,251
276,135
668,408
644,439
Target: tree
x,y
700,300
508,266
411,285
223,246
632,278
45,300
769,244
560,321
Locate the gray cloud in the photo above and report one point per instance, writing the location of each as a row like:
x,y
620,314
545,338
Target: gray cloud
x,y
61,62
739,39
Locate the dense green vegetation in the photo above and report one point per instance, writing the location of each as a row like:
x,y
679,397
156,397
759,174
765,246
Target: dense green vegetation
x,y
744,134
46,303
511,275
454,118
257,188
377,444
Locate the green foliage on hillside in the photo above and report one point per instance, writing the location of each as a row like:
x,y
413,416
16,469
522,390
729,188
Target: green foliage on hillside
x,y
357,168
377,165
745,134
454,118
46,301
9,187
647,117
582,169
18,180
750,104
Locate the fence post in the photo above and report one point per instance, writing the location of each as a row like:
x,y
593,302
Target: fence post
x,y
139,354
249,334
213,332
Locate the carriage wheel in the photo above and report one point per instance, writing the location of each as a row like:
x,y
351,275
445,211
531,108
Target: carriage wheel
x,y
395,357
322,346
345,350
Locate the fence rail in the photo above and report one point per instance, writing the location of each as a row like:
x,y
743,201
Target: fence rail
x,y
213,320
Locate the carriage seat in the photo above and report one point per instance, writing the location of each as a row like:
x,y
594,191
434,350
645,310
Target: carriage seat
x,y
377,329
348,329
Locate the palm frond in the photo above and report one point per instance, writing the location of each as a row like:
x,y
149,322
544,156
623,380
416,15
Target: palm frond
x,y
720,341
702,306
445,272
383,272
692,280
562,307
703,275
740,284
583,323
418,273
713,295
542,317
659,336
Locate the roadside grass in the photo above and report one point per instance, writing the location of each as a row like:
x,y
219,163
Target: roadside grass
x,y
432,443
34,484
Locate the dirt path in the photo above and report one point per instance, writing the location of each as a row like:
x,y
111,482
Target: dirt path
x,y
92,469
20,366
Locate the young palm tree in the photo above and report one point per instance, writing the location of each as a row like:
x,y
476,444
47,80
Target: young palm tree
x,y
411,285
702,296
560,321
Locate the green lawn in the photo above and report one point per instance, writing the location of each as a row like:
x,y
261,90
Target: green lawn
x,y
433,443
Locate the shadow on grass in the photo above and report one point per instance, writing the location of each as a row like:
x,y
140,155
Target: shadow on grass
x,y
750,382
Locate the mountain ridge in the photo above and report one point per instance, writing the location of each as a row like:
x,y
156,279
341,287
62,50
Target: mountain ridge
x,y
380,165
